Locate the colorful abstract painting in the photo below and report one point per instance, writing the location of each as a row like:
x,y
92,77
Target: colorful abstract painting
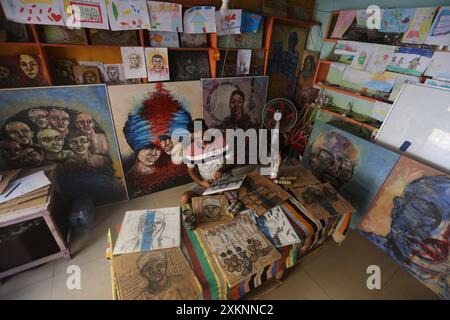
x,y
231,103
397,20
409,219
70,126
228,21
145,116
355,167
165,16
128,14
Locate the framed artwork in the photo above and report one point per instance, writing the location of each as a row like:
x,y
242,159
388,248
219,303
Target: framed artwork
x,y
133,60
284,60
231,103
70,126
187,65
114,74
356,168
145,116
409,220
128,15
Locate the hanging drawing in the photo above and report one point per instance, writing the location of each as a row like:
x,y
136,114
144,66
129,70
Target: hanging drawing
x,y
381,57
210,209
439,67
228,21
411,61
70,126
133,59
146,230
157,60
284,60
251,22
276,227
355,167
201,19
189,65
165,16
239,248
409,219
345,19
231,103
419,26
114,74
155,275
85,13
145,116
128,14
34,12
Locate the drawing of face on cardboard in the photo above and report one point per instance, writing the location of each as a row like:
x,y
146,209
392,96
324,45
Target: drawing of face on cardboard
x,y
38,117
19,132
51,140
29,65
211,208
153,267
333,158
135,61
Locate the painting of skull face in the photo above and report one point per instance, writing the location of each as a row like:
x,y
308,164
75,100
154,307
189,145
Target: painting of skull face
x,y
68,126
353,166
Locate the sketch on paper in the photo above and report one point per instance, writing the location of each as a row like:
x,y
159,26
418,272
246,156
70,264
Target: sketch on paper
x,y
114,74
146,230
34,12
227,183
128,15
85,13
155,275
86,75
164,39
233,103
396,20
165,16
97,64
260,194
409,220
157,60
276,227
210,209
228,21
133,60
419,26
239,248
200,19
411,61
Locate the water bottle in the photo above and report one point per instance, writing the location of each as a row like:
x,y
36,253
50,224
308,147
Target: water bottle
x,y
82,214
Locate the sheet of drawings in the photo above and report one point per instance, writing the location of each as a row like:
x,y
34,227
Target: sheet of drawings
x,y
239,248
225,184
146,230
155,275
276,227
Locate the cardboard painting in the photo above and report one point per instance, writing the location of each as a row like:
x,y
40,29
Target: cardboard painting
x,y
260,194
240,248
164,39
409,220
439,67
85,13
145,116
412,61
250,22
146,230
114,74
22,70
62,71
253,40
193,40
419,26
128,14
439,33
210,209
356,168
244,57
165,16
125,38
155,275
157,61
60,34
86,74
276,227
397,20
188,66
284,60
345,19
228,21
70,126
45,12
381,57
133,59
231,103
201,19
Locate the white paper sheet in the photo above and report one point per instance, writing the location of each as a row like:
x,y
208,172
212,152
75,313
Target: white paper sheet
x,y
128,15
34,12
85,13
165,16
244,57
200,19
228,22
24,185
146,230
133,60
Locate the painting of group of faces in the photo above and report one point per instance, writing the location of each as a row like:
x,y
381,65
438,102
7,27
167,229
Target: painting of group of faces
x,y
23,70
69,126
145,116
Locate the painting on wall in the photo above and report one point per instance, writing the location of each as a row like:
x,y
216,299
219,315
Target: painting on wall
x,y
189,65
355,167
419,26
397,20
284,59
230,103
239,248
71,126
409,219
145,116
155,275
25,70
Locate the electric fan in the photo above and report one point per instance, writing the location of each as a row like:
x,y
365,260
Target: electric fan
x,y
272,111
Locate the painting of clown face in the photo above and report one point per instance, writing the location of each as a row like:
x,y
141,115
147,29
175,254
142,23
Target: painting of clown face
x,y
145,117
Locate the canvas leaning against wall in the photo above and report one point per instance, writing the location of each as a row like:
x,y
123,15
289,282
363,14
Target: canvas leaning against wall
x,y
355,167
145,116
409,219
70,126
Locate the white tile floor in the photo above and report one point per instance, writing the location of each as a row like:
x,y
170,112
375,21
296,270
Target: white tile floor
x,y
333,272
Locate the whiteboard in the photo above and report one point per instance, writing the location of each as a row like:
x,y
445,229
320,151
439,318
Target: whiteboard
x,y
420,115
